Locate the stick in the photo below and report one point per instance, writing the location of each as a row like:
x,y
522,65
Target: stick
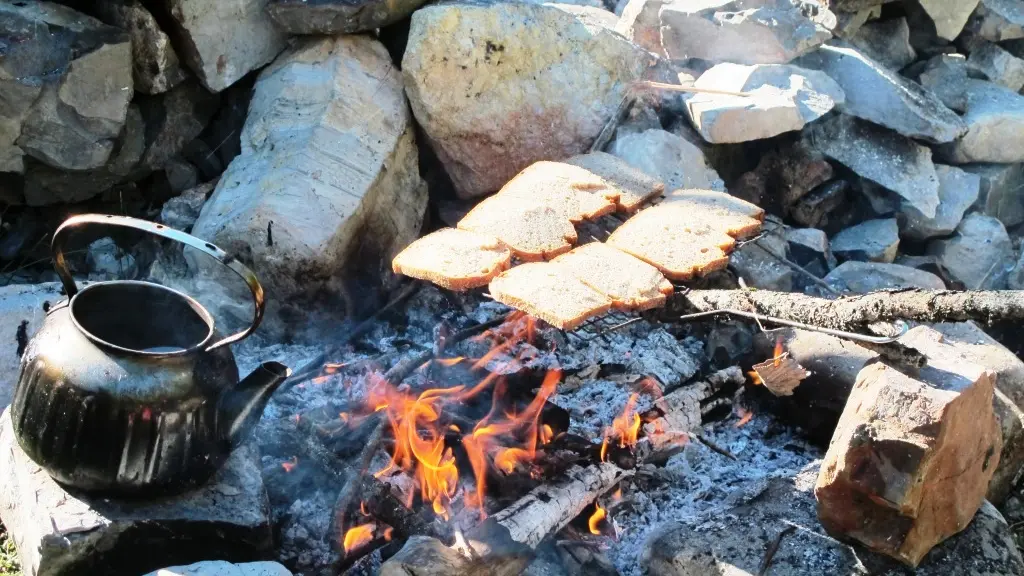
x,y
773,549
689,89
853,313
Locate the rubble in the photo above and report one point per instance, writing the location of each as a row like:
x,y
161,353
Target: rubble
x,y
252,210
768,32
958,191
948,16
871,241
910,462
471,95
337,16
780,99
155,65
894,162
865,277
887,42
997,20
669,158
999,193
946,76
997,65
995,126
884,97
978,255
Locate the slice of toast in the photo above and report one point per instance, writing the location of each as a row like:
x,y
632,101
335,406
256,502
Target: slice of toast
x,y
630,283
577,193
550,292
738,218
634,186
675,240
453,259
533,232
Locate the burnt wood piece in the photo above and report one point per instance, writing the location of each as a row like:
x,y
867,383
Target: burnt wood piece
x,y
383,505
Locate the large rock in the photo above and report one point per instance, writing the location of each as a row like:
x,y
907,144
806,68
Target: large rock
x,y
884,97
998,20
669,158
884,157
61,105
1000,193
640,21
337,16
958,190
886,41
865,277
871,240
911,460
781,99
58,532
222,568
764,32
998,65
946,76
978,256
727,547
155,65
328,173
22,310
995,126
949,16
494,95
223,41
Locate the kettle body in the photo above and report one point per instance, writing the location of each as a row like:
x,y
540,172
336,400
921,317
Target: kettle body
x,y
127,388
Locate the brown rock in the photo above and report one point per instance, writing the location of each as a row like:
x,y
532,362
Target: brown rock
x,y
910,461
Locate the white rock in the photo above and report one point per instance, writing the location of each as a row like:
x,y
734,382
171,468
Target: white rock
x,y
865,277
949,16
997,65
884,97
978,256
958,190
782,98
995,126
998,20
669,158
224,41
871,241
762,32
497,87
640,22
328,163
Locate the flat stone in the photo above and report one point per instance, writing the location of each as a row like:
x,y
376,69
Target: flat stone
x,y
173,119
669,158
958,190
998,20
765,32
1000,193
22,310
886,158
995,126
886,41
337,16
949,16
978,255
155,65
553,84
946,76
865,277
224,41
871,240
781,99
737,548
358,184
182,211
997,65
222,568
879,95
59,532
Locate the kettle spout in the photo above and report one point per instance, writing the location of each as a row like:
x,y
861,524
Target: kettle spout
x,y
240,407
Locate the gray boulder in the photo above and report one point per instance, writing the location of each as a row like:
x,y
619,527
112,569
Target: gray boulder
x,y
553,84
999,195
884,157
871,241
155,65
337,16
781,99
865,277
949,16
978,256
764,32
995,126
328,164
884,97
886,41
65,85
958,191
997,65
997,20
667,157
946,76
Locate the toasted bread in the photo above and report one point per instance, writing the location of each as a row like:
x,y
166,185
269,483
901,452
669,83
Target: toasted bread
x,y
630,283
577,193
550,292
634,186
673,239
453,259
533,232
737,217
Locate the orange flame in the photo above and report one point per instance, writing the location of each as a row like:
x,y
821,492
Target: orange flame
x,y
778,351
362,508
387,533
357,537
604,449
596,518
449,362
546,434
745,416
291,464
627,426
755,378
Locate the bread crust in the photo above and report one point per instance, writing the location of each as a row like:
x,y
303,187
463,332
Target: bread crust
x,y
548,291
454,259
634,186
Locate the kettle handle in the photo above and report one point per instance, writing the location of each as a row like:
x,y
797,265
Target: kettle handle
x,y
247,275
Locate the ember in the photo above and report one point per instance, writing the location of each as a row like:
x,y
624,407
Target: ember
x,y
291,464
745,416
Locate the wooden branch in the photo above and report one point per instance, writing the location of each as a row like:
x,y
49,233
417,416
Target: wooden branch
x,y
854,313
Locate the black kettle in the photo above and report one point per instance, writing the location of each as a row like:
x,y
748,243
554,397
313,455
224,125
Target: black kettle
x,y
128,389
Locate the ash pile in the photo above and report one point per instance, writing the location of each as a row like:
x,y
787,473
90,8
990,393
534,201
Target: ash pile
x,y
840,391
